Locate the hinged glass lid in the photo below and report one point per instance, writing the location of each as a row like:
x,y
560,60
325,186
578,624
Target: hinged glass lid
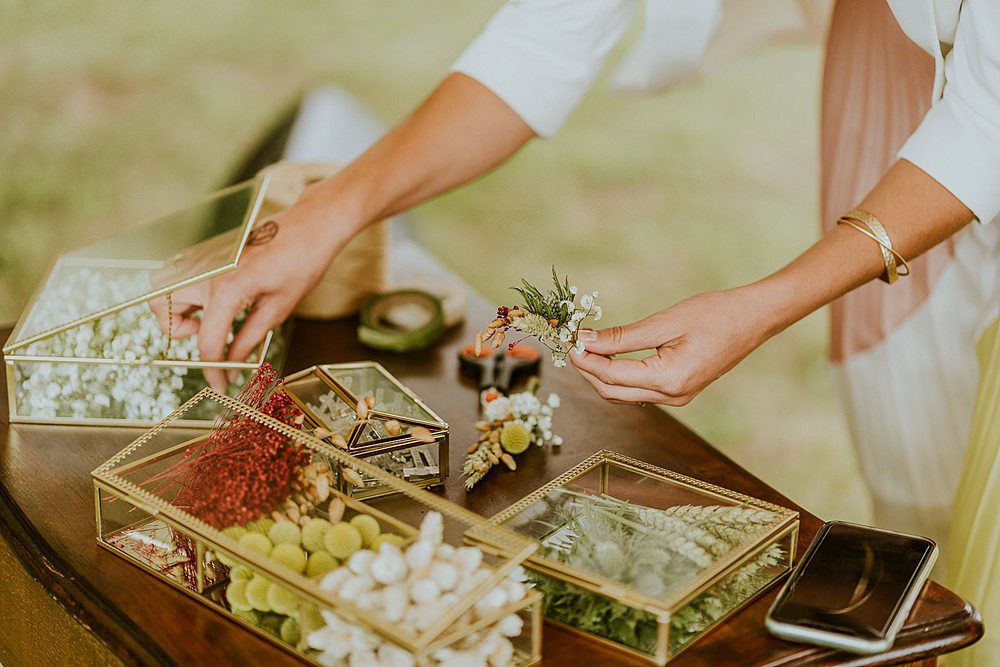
x,y
165,254
616,524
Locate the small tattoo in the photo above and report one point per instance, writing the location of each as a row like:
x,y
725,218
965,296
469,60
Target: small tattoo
x,y
265,233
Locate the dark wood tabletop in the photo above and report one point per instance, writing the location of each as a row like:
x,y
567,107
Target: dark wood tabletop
x,y
47,522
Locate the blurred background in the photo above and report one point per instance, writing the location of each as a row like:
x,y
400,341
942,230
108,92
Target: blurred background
x,y
115,112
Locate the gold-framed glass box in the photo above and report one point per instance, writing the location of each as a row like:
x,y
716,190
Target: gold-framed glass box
x,y
289,583
364,409
645,559
89,350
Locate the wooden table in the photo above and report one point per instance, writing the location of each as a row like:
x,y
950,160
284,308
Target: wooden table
x,y
63,599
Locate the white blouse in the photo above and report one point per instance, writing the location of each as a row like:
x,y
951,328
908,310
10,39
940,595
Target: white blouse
x,y
541,56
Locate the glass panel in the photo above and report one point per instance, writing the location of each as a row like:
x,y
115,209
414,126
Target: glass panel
x,y
148,540
655,535
695,618
597,614
417,465
266,495
325,405
161,254
377,428
389,398
81,391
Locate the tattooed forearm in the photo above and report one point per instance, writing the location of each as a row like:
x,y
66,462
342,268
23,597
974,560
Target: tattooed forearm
x,y
263,233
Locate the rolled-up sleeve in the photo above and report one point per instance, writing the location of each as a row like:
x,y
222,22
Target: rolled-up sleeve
x,y
958,141
541,56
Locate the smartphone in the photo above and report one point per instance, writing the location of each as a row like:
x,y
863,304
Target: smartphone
x,y
853,589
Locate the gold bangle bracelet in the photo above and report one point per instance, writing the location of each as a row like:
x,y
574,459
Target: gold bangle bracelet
x,y
894,262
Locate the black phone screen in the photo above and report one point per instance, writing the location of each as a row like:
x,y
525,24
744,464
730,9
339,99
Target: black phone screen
x,y
853,580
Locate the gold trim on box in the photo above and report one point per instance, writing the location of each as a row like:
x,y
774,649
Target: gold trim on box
x,y
324,373
248,219
785,526
517,548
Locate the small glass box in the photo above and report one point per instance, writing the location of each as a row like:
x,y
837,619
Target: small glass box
x,y
275,575
644,559
394,430
88,349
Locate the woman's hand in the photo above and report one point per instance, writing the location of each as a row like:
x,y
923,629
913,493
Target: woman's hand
x,y
284,258
695,342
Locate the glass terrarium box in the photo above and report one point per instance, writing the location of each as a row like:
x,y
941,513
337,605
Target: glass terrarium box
x,y
245,518
644,559
90,348
363,409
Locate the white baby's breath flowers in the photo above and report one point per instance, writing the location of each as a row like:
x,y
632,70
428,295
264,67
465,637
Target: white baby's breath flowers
x,y
135,391
415,600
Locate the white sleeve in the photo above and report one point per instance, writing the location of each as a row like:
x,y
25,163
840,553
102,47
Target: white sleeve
x,y
541,56
958,141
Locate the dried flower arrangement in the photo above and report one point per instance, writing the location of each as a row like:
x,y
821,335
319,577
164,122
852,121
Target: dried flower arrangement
x,y
656,551
241,473
510,425
413,587
314,545
554,318
139,392
244,469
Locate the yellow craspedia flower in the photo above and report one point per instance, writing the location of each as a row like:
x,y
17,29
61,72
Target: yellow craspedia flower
x,y
514,438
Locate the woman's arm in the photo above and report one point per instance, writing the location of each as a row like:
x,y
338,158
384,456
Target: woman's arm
x,y
523,76
458,133
699,339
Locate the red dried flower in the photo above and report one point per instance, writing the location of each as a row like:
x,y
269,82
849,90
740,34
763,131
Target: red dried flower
x,y
244,469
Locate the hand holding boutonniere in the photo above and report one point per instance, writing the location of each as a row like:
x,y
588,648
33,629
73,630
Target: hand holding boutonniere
x,y
554,318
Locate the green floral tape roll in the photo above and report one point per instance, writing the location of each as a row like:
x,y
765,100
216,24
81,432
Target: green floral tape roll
x,y
401,321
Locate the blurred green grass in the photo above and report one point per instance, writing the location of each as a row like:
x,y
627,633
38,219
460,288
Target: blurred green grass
x,y
114,112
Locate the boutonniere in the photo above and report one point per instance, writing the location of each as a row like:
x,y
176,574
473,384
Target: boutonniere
x,y
510,425
553,317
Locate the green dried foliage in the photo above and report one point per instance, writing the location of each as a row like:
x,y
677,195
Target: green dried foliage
x,y
547,305
657,552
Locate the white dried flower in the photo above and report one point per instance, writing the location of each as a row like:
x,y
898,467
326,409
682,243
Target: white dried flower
x,y
370,601
333,581
445,552
360,561
503,655
340,642
492,601
140,392
395,603
393,656
445,575
467,559
419,555
432,528
424,591
511,626
355,586
610,559
389,566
